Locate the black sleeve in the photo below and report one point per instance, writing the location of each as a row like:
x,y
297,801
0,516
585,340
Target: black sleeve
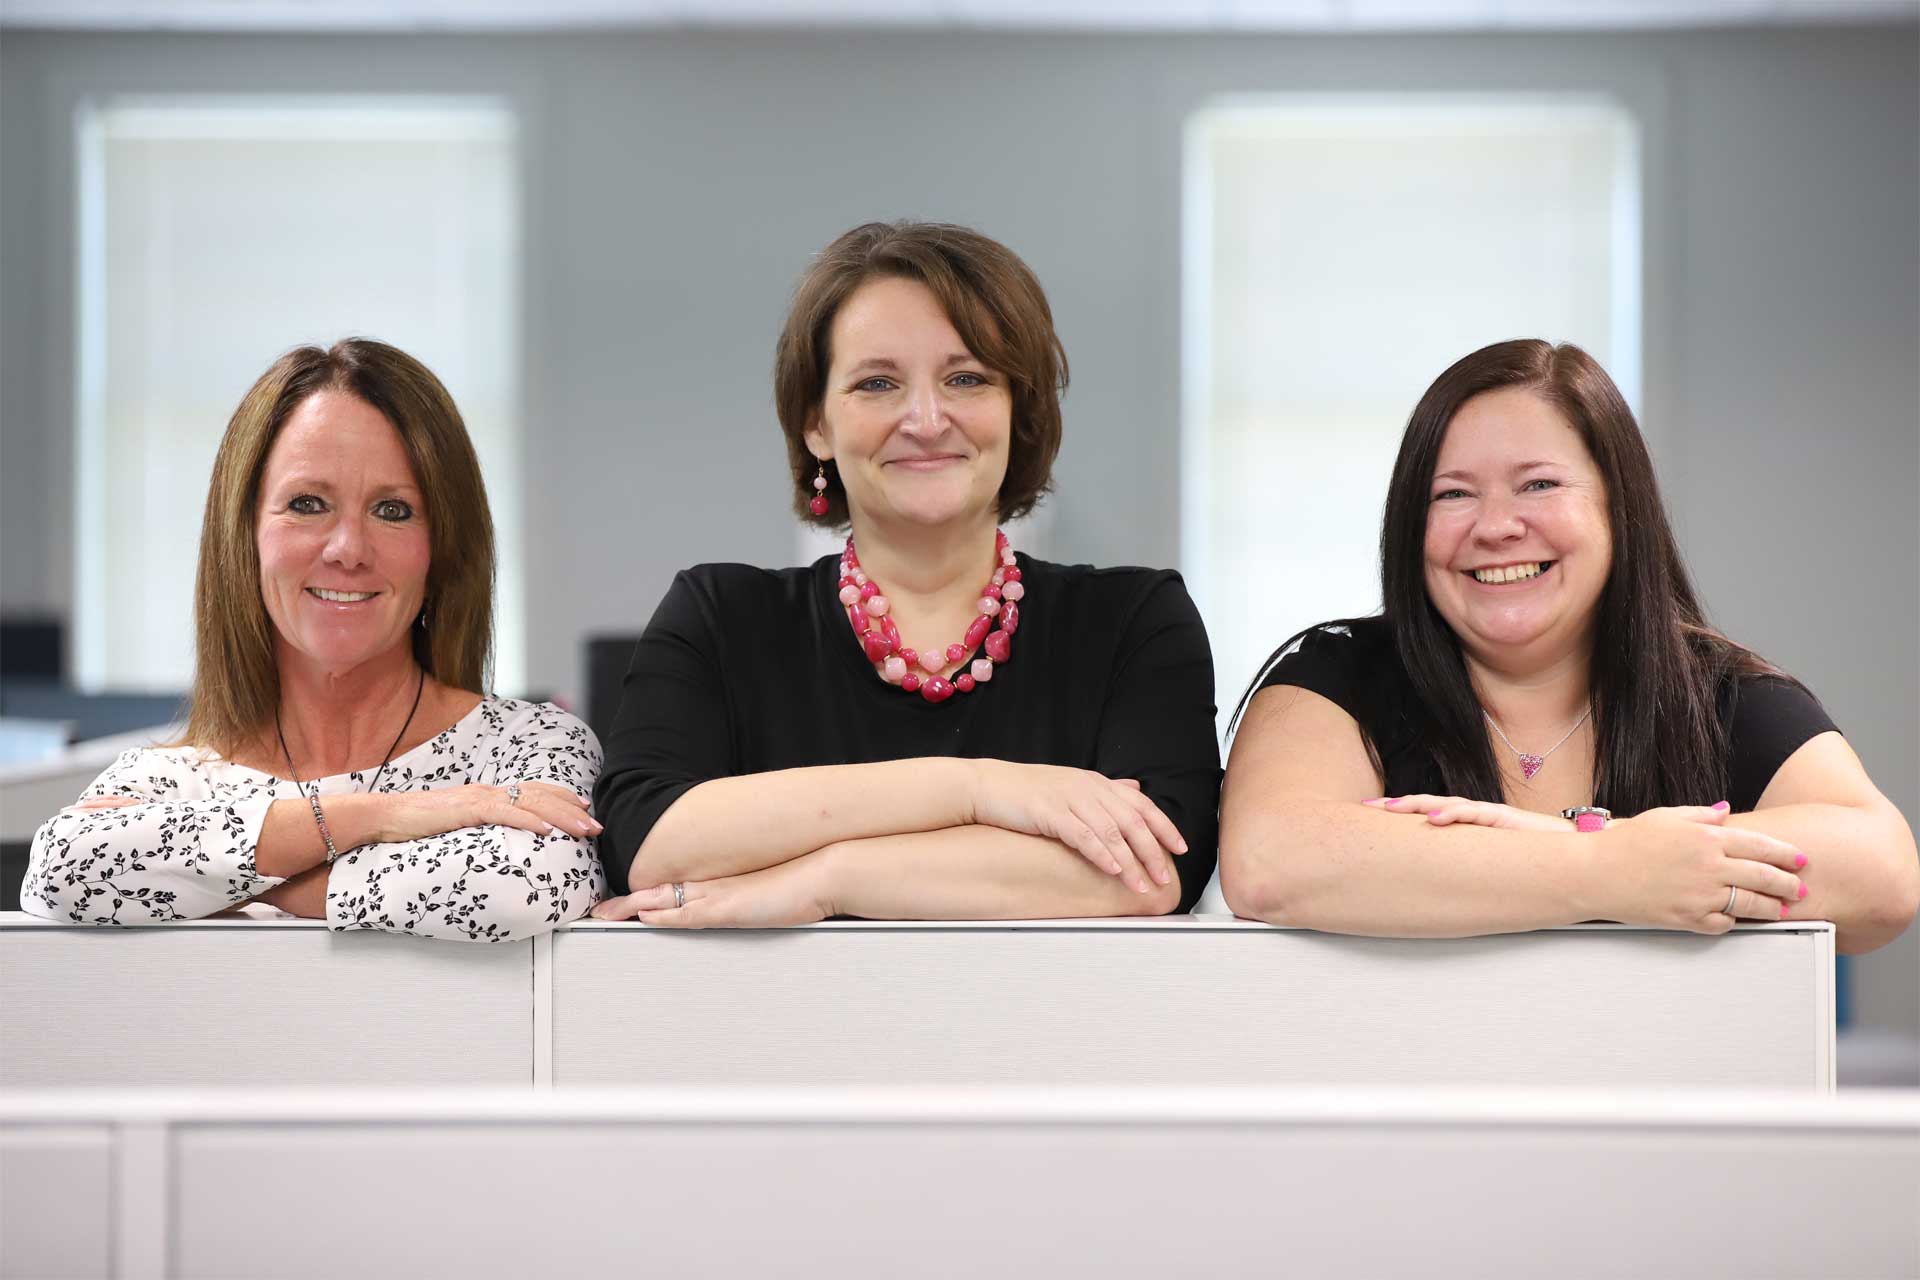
x,y
1772,718
671,732
1158,725
1326,663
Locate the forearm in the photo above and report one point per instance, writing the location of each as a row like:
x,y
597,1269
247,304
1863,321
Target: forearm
x,y
1347,868
148,861
978,873
1861,870
304,895
475,884
290,839
730,826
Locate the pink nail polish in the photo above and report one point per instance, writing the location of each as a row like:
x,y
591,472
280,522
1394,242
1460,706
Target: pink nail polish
x,y
1722,806
1783,911
1803,891
1799,860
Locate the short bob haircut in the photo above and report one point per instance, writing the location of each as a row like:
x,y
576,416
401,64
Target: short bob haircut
x,y
236,687
994,303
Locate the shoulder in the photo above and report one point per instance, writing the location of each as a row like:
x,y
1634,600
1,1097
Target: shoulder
x,y
179,770
1352,664
1769,708
725,590
1346,649
498,717
1120,592
1766,718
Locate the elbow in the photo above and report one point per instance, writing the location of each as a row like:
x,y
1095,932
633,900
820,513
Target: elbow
x,y
1257,884
1159,900
1891,914
52,888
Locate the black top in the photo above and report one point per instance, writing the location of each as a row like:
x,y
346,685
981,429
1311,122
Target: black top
x,y
746,670
1765,719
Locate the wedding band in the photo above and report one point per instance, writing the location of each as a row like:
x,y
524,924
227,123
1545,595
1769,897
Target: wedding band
x,y
1732,891
679,894
513,794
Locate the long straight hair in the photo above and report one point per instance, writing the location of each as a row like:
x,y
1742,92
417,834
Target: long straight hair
x,y
236,683
1657,666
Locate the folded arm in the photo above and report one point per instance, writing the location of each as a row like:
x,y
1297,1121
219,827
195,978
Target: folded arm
x,y
1862,872
1300,846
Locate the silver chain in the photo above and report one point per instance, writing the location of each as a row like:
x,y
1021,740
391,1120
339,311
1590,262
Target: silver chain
x,y
1542,757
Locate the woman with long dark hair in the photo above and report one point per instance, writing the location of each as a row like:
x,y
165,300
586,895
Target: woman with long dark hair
x,y
1540,727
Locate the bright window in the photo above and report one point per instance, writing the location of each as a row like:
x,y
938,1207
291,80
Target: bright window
x,y
1340,253
216,234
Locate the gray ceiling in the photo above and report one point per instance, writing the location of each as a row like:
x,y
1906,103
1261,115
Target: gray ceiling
x,y
1089,15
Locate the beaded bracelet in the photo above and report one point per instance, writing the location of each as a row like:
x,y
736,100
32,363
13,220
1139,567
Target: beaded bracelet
x,y
320,820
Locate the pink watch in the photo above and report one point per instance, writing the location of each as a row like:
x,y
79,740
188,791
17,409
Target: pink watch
x,y
1587,818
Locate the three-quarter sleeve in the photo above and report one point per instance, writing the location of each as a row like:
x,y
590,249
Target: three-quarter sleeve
x,y
483,884
179,852
670,733
1157,725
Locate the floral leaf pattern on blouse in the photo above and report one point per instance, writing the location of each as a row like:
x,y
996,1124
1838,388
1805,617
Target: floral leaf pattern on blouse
x,y
186,848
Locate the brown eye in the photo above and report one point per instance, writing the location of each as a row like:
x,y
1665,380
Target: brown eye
x,y
393,510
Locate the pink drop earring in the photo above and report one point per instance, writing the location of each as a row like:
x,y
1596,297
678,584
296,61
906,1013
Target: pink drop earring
x,y
818,502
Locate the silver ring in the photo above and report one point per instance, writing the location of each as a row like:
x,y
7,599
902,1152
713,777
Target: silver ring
x,y
513,794
1732,891
679,894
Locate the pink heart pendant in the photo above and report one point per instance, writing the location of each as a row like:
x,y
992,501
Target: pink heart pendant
x,y
1530,765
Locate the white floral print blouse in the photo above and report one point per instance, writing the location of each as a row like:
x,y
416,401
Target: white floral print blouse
x,y
187,850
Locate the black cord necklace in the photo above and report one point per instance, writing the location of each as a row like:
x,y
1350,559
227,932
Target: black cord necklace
x,y
418,689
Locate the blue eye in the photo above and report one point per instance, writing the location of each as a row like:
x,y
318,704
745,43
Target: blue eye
x,y
1448,493
1550,484
306,505
392,509
873,384
967,380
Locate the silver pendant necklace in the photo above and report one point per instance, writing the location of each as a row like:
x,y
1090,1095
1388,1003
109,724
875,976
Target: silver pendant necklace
x,y
1530,764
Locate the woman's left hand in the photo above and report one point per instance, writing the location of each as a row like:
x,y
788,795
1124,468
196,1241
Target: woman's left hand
x,y
1443,811
785,894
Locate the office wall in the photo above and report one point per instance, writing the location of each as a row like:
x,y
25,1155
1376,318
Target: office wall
x,y
677,181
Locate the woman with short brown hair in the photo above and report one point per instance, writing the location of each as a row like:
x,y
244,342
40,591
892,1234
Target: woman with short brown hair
x,y
927,725
341,760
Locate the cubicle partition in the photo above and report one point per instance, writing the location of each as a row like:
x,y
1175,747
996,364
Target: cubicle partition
x,y
1182,1001
992,1181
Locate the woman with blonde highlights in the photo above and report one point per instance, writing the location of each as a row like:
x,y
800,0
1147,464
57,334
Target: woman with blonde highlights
x,y
341,760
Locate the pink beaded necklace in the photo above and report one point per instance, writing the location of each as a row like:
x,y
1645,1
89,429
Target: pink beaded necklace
x,y
867,610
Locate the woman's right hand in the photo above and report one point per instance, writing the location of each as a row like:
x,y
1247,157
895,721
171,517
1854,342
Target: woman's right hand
x,y
1674,868
1107,821
544,808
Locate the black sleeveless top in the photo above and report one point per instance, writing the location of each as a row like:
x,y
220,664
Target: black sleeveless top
x,y
1766,719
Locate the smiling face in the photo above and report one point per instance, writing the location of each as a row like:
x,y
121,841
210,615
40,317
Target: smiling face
x,y
342,534
1518,544
917,426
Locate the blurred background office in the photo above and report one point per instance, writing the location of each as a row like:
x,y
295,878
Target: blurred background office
x,y
1264,225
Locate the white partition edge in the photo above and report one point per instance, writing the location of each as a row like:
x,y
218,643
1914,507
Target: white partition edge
x,y
143,1124
1891,1110
259,917
541,1073
543,1011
